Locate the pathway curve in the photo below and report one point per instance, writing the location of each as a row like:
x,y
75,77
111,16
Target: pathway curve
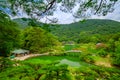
x,y
29,56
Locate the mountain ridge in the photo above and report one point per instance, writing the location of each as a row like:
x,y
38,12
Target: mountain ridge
x,y
73,31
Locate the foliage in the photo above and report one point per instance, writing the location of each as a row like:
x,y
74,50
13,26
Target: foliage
x,y
27,22
114,47
40,68
5,63
36,71
57,72
38,40
95,72
36,8
102,53
46,67
93,30
9,34
87,57
116,59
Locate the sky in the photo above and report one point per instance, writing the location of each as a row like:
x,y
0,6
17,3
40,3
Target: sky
x,y
67,18
115,15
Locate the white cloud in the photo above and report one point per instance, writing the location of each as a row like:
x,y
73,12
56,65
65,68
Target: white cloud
x,y
66,18
115,15
63,18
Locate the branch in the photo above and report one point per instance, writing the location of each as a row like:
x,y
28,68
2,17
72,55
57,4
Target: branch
x,y
99,6
87,3
53,21
48,7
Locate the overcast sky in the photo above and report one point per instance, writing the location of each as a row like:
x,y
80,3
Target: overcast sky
x,y
113,16
66,18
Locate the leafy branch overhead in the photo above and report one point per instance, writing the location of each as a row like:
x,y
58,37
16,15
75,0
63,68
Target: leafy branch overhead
x,y
40,8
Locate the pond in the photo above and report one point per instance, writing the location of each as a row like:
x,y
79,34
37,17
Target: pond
x,y
70,61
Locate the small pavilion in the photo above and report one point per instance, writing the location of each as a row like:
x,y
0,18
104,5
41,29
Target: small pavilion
x,y
20,52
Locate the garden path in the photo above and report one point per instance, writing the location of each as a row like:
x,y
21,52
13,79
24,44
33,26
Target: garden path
x,y
29,56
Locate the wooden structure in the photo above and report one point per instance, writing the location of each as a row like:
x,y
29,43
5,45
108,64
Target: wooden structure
x,y
100,45
20,52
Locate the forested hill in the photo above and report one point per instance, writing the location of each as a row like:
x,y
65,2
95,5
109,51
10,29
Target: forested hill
x,y
99,26
74,31
25,22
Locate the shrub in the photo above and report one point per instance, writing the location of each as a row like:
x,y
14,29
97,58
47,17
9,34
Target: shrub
x,y
5,63
102,52
87,57
116,59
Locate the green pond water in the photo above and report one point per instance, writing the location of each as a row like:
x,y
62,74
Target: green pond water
x,y
70,61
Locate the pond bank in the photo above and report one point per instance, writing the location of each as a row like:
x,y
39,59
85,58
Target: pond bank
x,y
68,60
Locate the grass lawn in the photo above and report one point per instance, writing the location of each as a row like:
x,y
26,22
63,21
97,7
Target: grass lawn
x,y
71,47
71,61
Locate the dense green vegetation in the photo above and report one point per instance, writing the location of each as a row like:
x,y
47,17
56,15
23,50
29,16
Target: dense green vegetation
x,y
26,22
82,51
87,31
80,32
9,34
47,68
32,38
36,39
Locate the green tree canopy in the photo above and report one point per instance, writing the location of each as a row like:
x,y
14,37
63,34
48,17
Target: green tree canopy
x,y
8,34
38,40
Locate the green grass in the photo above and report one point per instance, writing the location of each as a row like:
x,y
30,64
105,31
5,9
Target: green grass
x,y
0,57
70,47
52,58
71,61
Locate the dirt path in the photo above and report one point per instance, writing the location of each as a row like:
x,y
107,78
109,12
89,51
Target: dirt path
x,y
103,64
28,56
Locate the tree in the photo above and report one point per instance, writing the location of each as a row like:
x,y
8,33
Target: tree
x,y
8,34
84,37
57,72
38,40
36,8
